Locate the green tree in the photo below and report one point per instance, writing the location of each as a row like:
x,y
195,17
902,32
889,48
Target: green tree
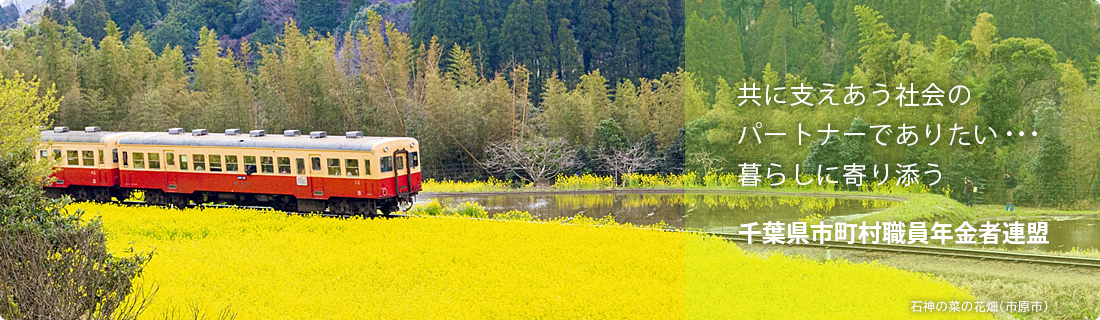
x,y
713,49
772,35
90,16
51,258
170,33
808,45
1022,73
1049,164
876,45
218,15
130,12
594,32
249,18
318,15
516,45
571,67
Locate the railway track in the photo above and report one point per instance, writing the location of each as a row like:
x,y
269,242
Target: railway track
x,y
976,254
938,251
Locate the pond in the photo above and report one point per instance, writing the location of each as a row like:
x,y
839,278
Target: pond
x,y
707,212
724,213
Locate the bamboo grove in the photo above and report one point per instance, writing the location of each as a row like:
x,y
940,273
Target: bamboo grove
x,y
376,81
1017,83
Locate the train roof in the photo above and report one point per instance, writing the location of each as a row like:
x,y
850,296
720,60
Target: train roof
x,y
80,136
262,142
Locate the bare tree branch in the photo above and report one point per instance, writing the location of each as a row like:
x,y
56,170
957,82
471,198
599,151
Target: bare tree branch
x,y
533,159
626,161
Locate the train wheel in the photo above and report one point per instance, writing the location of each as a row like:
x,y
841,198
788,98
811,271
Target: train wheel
x,y
365,208
287,204
341,207
179,201
79,194
156,197
101,195
389,207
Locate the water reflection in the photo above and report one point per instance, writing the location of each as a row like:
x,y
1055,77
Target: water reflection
x,y
638,209
726,213
1063,234
696,211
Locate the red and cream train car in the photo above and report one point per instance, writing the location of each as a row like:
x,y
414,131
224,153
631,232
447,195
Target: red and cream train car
x,y
350,175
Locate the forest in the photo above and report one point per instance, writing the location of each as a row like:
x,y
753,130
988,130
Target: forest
x,y
623,39
381,85
457,75
1029,66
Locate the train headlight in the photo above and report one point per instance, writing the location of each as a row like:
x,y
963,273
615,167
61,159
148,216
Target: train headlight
x,y
385,149
412,144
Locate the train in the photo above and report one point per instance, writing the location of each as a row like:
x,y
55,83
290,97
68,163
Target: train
x,y
353,175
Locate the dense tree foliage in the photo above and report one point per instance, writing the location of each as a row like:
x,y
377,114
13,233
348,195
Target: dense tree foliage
x,y
51,258
1070,27
1021,79
379,82
623,39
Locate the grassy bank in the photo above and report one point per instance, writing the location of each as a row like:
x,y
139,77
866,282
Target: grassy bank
x,y
262,264
998,210
927,208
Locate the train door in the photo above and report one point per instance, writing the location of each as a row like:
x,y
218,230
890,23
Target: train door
x,y
170,170
316,176
103,175
301,176
59,162
402,173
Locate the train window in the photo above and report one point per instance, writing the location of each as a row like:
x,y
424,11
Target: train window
x,y
183,162
74,159
415,157
230,163
301,165
88,157
333,167
125,160
352,167
43,154
400,162
215,163
387,164
114,154
154,160
249,164
266,165
170,159
139,160
284,165
100,156
315,162
57,154
366,167
199,161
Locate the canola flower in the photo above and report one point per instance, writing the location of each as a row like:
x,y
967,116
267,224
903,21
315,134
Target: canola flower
x,y
690,180
449,186
261,264
269,265
722,281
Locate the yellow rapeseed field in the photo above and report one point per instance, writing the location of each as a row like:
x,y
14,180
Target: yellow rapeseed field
x,y
450,186
268,265
722,281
